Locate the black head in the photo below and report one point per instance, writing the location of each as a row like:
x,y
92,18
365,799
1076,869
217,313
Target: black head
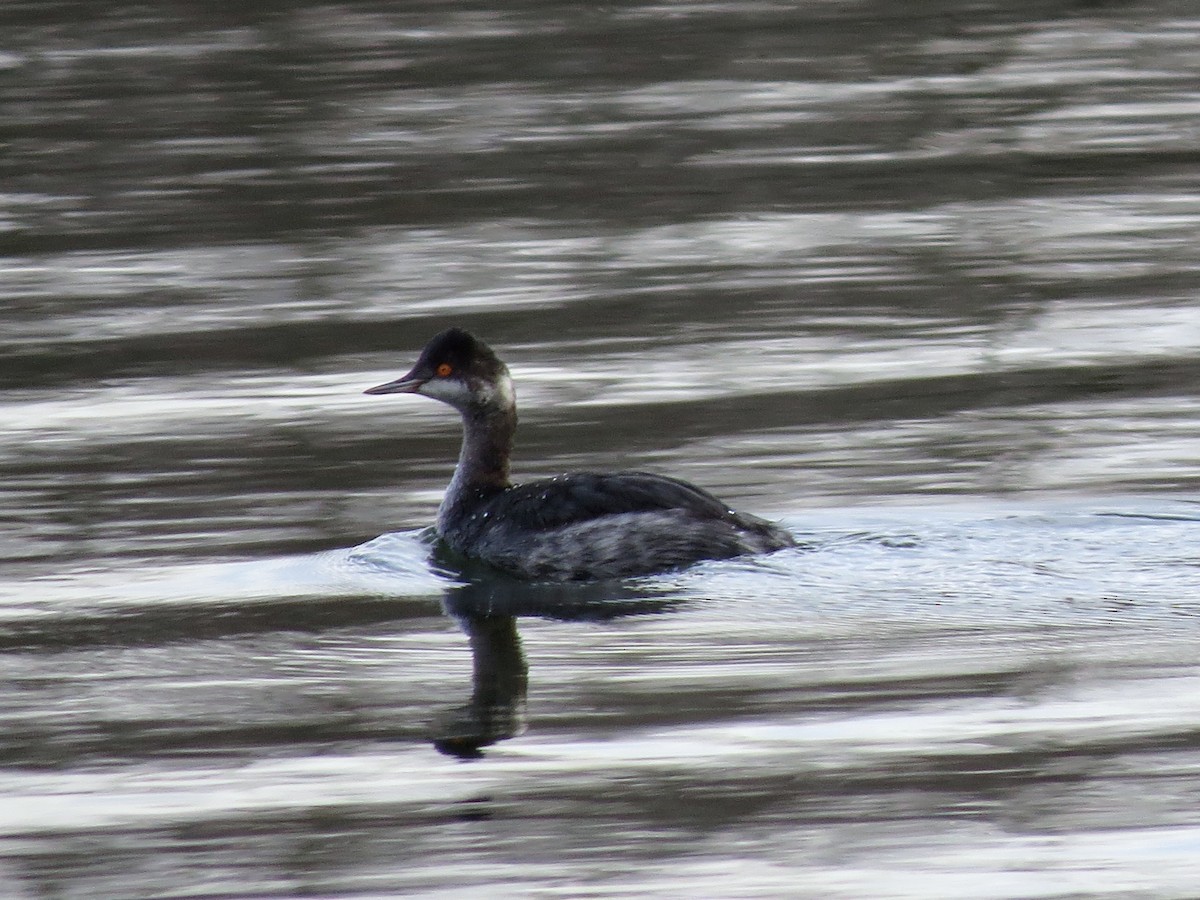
x,y
458,369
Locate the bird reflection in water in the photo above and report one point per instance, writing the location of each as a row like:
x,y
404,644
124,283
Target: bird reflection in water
x,y
499,678
487,608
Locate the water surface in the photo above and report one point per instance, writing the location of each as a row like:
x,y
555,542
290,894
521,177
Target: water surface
x,y
918,280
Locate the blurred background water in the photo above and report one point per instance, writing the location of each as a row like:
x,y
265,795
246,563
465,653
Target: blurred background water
x,y
918,279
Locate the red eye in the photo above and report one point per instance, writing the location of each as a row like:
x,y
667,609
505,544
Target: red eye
x,y
444,369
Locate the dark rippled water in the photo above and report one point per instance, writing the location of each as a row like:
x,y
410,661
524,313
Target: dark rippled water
x,y
919,280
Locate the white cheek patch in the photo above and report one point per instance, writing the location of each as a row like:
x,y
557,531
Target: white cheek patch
x,y
461,396
448,390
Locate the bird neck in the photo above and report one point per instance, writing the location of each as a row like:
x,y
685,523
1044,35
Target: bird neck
x,y
482,471
486,450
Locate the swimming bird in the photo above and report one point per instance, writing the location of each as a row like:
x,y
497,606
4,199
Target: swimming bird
x,y
577,527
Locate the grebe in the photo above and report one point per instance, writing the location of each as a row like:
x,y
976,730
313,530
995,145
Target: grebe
x,y
577,527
